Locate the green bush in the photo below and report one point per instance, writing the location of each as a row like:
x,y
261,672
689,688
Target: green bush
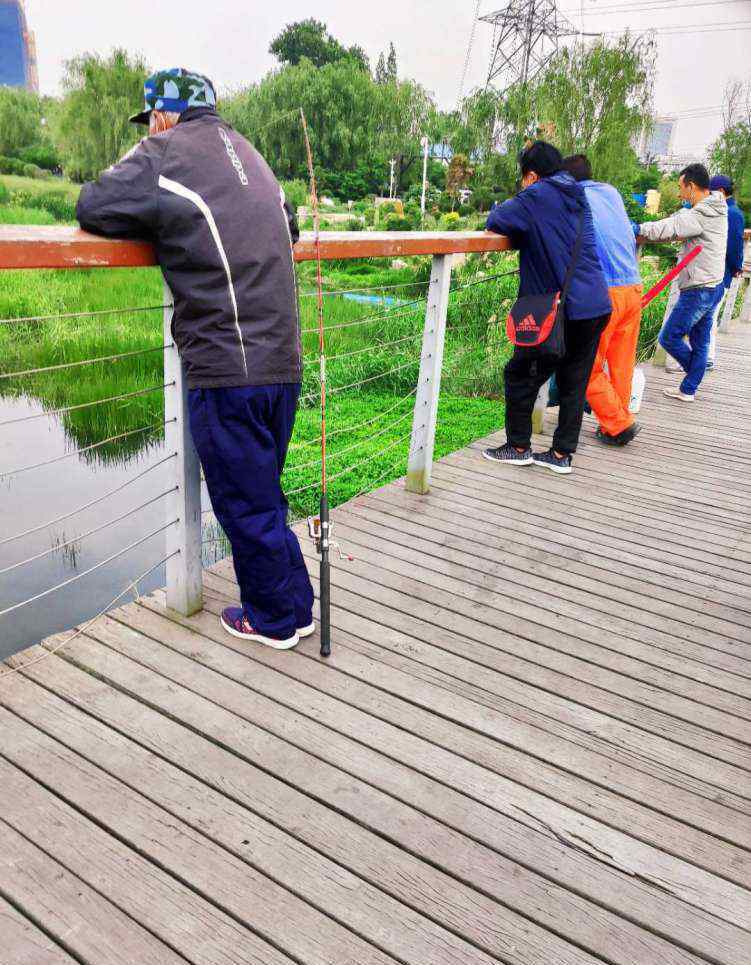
x,y
31,171
11,165
296,192
370,216
354,224
43,155
395,222
4,194
451,221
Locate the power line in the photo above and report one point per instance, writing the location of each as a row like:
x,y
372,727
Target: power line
x,y
646,7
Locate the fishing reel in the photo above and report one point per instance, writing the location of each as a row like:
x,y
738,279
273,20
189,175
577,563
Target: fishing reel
x,y
320,533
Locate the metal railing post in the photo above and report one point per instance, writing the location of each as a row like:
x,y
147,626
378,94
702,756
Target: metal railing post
x,y
184,570
422,445
746,310
730,300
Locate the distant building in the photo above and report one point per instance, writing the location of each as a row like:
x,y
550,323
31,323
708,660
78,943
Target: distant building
x,y
18,60
657,143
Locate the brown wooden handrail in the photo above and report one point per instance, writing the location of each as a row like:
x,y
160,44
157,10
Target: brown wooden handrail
x,y
23,246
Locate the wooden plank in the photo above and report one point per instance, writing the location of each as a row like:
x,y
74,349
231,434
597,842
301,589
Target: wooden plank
x,y
364,622
459,907
24,944
215,874
571,545
495,509
660,513
173,912
637,899
74,914
62,247
708,755
400,513
500,488
727,692
427,752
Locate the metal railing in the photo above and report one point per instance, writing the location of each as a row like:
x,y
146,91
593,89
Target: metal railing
x,y
68,248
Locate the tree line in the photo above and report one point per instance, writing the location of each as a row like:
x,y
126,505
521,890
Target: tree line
x,y
593,98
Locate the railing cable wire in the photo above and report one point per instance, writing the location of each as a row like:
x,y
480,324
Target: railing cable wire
x,y
91,532
78,452
91,569
93,502
85,405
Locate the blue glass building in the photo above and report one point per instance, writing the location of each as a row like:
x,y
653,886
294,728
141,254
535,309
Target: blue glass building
x,y
17,48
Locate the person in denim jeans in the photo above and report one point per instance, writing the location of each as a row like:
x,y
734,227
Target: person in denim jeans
x,y
692,316
703,222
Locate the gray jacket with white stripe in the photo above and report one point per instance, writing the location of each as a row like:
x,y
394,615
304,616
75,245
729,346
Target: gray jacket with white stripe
x,y
223,235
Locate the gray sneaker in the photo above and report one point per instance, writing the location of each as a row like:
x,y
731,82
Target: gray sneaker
x,y
549,460
507,453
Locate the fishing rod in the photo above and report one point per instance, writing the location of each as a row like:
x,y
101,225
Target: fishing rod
x,y
320,527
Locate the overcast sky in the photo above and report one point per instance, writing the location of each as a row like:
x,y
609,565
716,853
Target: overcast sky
x,y
229,40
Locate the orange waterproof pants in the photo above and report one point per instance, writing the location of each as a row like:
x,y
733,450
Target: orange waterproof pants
x,y
609,393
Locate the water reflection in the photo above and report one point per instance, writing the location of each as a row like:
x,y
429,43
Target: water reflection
x,y
36,497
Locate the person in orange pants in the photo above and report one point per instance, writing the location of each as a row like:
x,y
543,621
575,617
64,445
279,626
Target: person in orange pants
x,y
609,391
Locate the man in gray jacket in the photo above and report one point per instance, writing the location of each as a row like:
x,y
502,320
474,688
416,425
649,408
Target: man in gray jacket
x,y
704,222
223,236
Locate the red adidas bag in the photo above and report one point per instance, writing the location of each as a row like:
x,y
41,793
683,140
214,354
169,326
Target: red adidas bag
x,y
535,322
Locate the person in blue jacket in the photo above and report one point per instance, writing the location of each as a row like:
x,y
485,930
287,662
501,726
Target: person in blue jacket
x,y
734,255
542,221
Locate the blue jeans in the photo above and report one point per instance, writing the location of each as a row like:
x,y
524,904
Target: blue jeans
x,y
242,435
692,317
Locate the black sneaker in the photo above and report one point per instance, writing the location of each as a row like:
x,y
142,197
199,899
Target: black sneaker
x,y
559,464
622,438
507,453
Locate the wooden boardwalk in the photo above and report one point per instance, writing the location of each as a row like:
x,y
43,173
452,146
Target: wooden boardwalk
x,y
530,746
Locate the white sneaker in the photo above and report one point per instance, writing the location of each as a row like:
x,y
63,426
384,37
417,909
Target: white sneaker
x,y
308,631
677,394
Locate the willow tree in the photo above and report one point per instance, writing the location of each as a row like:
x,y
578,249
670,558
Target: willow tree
x,y
20,119
90,127
597,100
731,152
340,105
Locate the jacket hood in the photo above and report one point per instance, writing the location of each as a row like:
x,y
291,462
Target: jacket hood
x,y
571,190
713,206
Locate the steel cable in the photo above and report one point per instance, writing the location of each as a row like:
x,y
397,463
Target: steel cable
x,y
105,311
85,405
91,569
78,452
72,365
91,532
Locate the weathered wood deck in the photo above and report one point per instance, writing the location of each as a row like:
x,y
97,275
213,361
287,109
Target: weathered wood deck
x,y
531,744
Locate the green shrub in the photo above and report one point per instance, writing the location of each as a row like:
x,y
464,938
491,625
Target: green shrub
x,y
296,192
396,222
43,155
56,203
11,165
31,171
4,194
370,216
451,220
354,224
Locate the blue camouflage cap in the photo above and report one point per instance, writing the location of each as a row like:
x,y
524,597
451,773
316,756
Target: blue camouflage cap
x,y
175,90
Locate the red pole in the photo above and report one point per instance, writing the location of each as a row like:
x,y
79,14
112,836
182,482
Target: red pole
x,y
663,283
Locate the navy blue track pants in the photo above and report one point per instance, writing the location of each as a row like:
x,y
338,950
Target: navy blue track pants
x,y
242,435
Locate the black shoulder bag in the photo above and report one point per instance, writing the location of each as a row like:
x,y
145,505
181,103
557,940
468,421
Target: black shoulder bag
x,y
535,322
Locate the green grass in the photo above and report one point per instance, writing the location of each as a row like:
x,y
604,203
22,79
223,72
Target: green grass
x,y
10,214
35,186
